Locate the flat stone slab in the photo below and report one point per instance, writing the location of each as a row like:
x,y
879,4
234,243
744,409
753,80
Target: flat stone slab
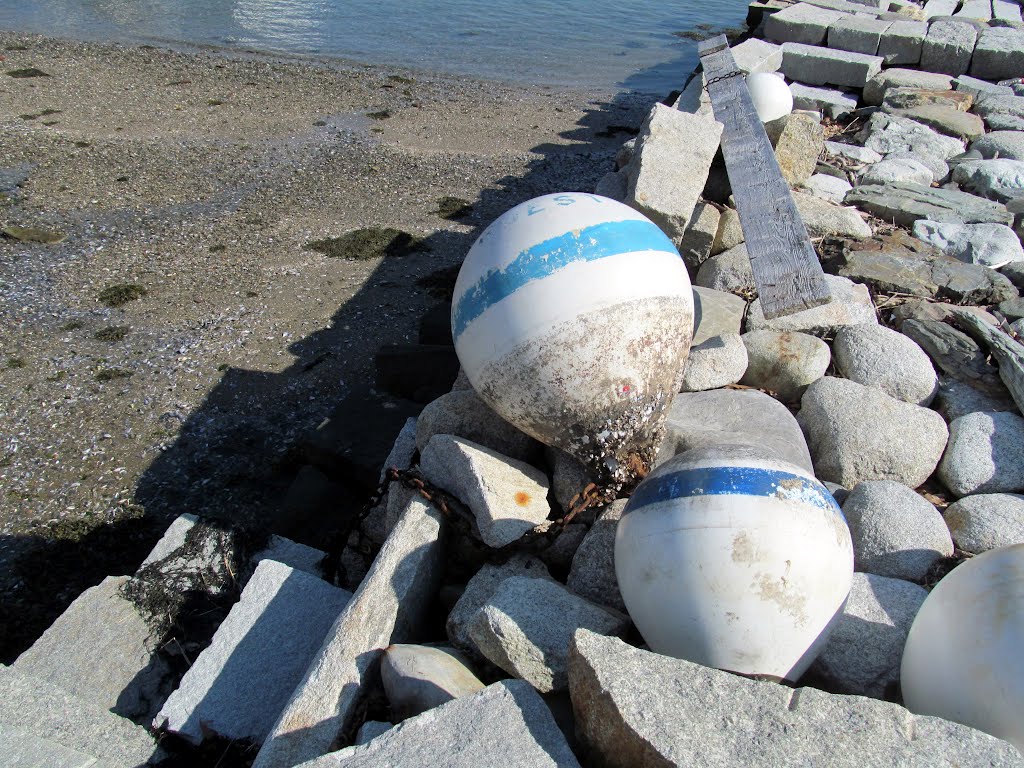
x,y
903,203
901,42
822,66
238,685
801,23
48,712
851,304
857,34
755,55
506,723
828,101
20,749
874,90
638,709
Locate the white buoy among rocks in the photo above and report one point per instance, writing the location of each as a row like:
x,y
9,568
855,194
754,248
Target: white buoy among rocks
x,y
964,657
571,317
771,96
733,559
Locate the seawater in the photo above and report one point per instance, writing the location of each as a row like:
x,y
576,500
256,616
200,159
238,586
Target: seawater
x,y
597,44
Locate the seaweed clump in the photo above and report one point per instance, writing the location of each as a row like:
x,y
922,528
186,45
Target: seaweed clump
x,y
27,72
370,243
453,208
122,293
111,333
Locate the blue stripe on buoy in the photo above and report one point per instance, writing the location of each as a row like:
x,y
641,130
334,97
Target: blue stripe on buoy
x,y
732,481
590,244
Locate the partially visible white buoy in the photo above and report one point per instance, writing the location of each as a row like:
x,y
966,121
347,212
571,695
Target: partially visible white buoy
x,y
572,316
734,560
772,97
964,656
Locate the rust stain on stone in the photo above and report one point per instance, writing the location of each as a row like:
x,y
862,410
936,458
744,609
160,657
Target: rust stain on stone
x,y
522,498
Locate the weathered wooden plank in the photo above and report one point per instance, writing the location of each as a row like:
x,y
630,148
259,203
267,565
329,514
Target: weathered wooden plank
x,y
1008,353
786,269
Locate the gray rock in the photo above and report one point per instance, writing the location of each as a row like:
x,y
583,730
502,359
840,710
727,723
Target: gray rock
x,y
715,313
559,554
670,166
1001,144
102,650
48,712
829,188
902,137
978,88
613,184
1002,113
20,748
730,232
729,271
828,101
402,451
387,608
946,119
998,54
506,722
858,433
918,309
989,245
1012,309
1000,179
850,305
874,89
896,533
957,354
948,47
527,624
418,677
256,641
479,590
852,152
593,568
716,362
956,399
863,654
897,99
933,8
784,362
821,66
902,41
1014,273
462,413
986,521
874,355
823,218
370,730
903,204
1006,10
694,99
897,169
508,497
638,709
695,244
291,553
754,55
569,476
799,140
733,417
857,34
985,454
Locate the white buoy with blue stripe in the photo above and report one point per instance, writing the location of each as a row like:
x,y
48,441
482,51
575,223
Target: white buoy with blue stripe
x,y
572,318
732,559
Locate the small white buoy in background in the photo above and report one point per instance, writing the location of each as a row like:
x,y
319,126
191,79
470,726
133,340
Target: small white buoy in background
x,y
732,559
964,656
572,317
772,97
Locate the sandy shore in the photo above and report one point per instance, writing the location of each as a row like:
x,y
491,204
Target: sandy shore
x,y
200,177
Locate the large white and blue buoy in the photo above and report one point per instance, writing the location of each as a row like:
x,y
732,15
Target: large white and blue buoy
x,y
572,317
964,656
734,560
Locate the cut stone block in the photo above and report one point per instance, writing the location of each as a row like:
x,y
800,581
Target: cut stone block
x,y
638,709
238,685
101,650
801,23
715,313
799,140
821,66
999,54
874,89
670,166
754,55
948,47
20,749
980,10
506,723
593,567
903,204
901,42
978,88
825,100
387,608
934,8
462,413
857,34
695,244
1006,10
856,8
48,712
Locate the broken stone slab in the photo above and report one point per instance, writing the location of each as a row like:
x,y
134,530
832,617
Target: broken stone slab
x,y
715,313
985,454
508,497
957,354
24,750
638,709
875,88
257,642
877,356
956,399
479,590
998,54
903,203
948,47
851,304
527,625
728,272
370,730
101,649
799,140
1006,10
857,433
1001,113
694,99
784,362
695,244
853,153
1001,179
828,101
895,170
730,232
947,120
47,711
754,55
900,136
592,574
907,98
507,723
821,66
387,608
733,417
1001,144
670,166
933,8
981,10
419,677
801,23
978,88
988,245
822,218
613,185
829,188
986,521
462,413
863,653
857,34
902,41
715,362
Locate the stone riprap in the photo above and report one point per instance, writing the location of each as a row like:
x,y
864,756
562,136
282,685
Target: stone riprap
x,y
851,304
593,568
856,34
1001,179
877,356
1008,145
815,65
985,454
998,54
988,245
903,203
829,188
948,47
801,23
986,521
827,100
